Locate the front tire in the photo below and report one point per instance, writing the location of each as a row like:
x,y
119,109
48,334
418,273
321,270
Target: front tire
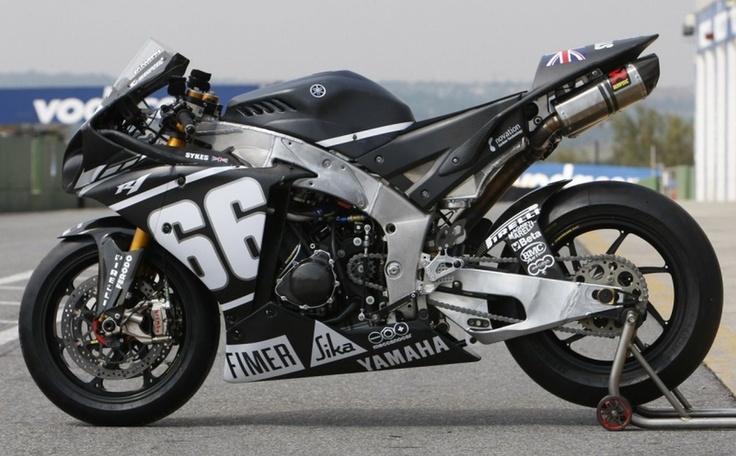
x,y
672,252
118,381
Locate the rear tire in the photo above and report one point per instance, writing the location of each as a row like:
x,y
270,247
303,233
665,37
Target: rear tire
x,y
639,224
119,381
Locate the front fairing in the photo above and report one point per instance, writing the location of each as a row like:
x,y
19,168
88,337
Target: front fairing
x,y
122,109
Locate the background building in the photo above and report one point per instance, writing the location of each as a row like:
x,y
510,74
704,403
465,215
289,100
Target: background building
x,y
714,27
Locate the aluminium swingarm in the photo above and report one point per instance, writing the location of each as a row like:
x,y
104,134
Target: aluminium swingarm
x,y
548,303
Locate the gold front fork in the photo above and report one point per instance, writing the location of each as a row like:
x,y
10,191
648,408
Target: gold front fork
x,y
140,240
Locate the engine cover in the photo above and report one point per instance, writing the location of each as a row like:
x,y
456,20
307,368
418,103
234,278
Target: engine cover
x,y
310,283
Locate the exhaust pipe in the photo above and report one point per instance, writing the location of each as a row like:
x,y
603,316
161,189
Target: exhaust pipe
x,y
591,106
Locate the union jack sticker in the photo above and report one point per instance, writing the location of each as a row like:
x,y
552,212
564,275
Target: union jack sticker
x,y
566,56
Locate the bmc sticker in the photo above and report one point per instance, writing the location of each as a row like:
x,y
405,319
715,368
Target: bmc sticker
x,y
329,346
261,360
532,252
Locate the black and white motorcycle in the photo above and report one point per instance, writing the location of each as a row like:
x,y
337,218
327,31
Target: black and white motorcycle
x,y
333,233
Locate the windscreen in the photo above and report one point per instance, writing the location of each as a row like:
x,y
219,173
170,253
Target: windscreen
x,y
149,64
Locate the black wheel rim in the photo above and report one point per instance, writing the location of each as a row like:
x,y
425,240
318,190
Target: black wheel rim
x,y
661,270
104,389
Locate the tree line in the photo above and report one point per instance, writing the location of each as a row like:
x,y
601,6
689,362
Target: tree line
x,y
640,133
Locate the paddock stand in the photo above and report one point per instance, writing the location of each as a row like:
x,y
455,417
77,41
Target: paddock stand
x,y
614,412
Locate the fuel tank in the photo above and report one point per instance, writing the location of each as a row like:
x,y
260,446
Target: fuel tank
x,y
338,110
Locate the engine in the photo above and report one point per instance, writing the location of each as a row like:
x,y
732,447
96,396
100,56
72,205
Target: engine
x,y
332,259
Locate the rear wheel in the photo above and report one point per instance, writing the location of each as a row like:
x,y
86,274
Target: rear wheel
x,y
137,373
683,279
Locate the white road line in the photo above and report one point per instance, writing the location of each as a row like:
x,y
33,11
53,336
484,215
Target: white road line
x,y
16,277
9,335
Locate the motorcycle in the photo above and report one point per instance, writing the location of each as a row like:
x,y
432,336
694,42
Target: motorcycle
x,y
333,233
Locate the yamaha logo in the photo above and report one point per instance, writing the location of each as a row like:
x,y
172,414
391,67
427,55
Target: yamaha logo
x,y
318,90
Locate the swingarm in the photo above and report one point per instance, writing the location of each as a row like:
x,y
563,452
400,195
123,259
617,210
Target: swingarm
x,y
548,303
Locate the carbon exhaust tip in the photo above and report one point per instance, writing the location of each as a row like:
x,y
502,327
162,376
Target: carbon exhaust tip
x,y
648,68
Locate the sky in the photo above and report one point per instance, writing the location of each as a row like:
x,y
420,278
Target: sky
x,y
408,40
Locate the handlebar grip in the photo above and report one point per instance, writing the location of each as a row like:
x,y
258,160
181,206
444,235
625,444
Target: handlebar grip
x,y
184,117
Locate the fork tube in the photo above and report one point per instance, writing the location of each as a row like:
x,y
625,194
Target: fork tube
x,y
140,240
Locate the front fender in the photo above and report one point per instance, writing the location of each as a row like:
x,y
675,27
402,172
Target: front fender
x,y
117,266
100,228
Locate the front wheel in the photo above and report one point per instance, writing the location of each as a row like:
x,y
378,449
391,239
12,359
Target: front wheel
x,y
139,372
685,293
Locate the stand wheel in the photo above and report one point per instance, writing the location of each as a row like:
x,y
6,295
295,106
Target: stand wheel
x,y
614,412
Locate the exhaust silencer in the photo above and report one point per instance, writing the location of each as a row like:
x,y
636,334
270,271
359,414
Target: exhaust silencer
x,y
592,105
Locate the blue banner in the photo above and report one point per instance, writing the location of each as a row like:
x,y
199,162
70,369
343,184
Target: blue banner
x,y
74,105
541,174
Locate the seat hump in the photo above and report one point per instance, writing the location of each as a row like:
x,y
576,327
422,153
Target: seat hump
x,y
558,67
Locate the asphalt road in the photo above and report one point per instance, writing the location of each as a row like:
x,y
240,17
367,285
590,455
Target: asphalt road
x,y
488,407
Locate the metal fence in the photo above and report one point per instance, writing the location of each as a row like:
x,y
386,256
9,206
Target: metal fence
x,y
30,174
